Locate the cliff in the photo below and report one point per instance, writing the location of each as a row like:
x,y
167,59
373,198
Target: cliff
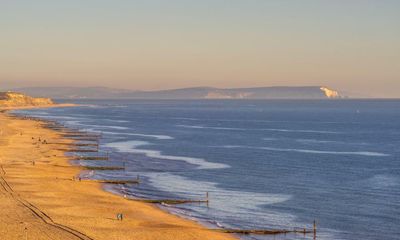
x,y
14,99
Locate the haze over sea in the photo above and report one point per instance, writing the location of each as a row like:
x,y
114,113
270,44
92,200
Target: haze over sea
x,y
266,164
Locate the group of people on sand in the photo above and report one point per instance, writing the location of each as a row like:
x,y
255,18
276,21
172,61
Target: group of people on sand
x,y
44,141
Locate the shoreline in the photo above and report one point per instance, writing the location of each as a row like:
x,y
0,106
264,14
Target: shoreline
x,y
4,109
81,206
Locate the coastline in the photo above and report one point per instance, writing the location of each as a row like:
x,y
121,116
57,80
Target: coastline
x,y
47,186
2,109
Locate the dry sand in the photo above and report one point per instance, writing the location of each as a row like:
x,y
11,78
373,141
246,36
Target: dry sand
x,y
42,201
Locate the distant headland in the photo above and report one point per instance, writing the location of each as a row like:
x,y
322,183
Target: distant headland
x,y
309,92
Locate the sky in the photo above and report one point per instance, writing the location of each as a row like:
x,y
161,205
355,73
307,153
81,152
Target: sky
x,y
349,45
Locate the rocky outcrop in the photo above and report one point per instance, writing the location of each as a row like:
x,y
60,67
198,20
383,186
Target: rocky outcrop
x,y
14,99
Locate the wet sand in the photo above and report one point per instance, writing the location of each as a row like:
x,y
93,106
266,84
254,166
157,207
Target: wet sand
x,y
39,198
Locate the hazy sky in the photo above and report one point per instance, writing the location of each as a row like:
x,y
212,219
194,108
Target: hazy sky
x,y
350,45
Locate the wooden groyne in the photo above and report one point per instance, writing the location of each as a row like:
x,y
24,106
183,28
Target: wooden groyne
x,y
77,144
135,181
111,168
89,158
108,168
171,201
87,139
264,231
55,126
85,135
303,231
79,150
73,132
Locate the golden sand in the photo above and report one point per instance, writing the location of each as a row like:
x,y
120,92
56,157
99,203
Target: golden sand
x,y
40,200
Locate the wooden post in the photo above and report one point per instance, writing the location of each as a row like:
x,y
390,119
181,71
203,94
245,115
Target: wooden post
x,y
315,229
207,198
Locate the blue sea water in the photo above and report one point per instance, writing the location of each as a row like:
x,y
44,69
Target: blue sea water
x,y
265,164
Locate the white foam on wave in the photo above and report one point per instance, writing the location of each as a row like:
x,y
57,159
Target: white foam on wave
x,y
248,120
316,141
73,122
313,141
269,139
383,180
208,127
159,137
31,112
115,120
63,117
132,147
227,203
93,126
257,129
93,106
106,126
297,130
361,153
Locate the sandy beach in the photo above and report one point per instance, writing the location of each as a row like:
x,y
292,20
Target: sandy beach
x,y
39,198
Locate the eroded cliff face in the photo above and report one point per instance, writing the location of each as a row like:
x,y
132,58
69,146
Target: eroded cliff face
x,y
14,99
329,93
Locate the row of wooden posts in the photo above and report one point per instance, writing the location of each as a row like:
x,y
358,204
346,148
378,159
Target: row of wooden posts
x,y
80,136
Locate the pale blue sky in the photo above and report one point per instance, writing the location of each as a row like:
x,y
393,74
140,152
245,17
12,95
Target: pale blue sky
x,y
351,45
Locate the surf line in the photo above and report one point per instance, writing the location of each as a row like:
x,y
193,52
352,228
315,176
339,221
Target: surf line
x,y
131,146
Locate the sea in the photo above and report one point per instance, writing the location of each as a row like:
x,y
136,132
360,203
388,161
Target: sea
x,y
265,164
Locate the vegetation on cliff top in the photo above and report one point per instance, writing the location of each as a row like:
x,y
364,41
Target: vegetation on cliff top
x,y
14,99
